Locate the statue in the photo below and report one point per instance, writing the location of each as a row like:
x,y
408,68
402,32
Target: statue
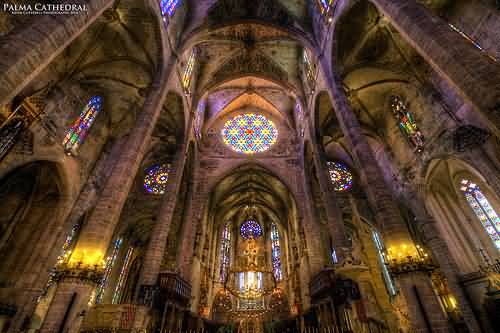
x,y
251,252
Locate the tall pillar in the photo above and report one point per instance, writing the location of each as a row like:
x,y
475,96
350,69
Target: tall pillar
x,y
434,240
387,215
96,235
335,223
26,52
158,241
475,76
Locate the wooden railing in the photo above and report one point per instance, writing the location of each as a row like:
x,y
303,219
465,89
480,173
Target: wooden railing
x,y
174,287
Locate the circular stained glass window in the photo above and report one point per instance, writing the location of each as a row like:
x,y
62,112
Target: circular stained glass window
x,y
156,178
249,133
340,176
250,228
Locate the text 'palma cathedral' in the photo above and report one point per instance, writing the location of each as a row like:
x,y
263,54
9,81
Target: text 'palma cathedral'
x,y
250,166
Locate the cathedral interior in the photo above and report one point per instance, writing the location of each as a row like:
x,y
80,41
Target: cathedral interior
x,y
265,166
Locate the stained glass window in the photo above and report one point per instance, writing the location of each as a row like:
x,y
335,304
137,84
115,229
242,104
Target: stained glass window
x,y
156,178
407,123
473,42
325,6
340,176
110,261
389,283
81,127
249,133
250,228
483,210
309,69
335,260
168,8
123,275
188,73
276,252
225,252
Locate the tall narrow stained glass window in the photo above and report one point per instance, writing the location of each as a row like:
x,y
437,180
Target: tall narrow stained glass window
x,y
187,76
168,8
78,132
225,252
249,133
473,42
308,68
122,279
108,268
325,6
276,252
483,210
389,283
407,123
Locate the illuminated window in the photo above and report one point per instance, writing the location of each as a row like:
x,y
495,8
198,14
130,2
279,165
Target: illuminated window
x,y
123,276
325,6
340,176
250,228
225,252
309,69
389,283
483,210
168,8
156,179
110,261
407,123
276,252
249,133
188,73
473,42
81,127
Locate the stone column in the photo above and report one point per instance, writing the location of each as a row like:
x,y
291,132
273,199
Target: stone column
x,y
26,52
97,233
387,214
335,223
158,241
436,243
475,76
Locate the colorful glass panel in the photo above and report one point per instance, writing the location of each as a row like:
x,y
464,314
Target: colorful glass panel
x,y
389,283
325,6
483,210
407,123
340,176
276,252
168,8
250,228
108,268
249,133
225,252
309,69
188,72
81,127
473,42
123,276
156,179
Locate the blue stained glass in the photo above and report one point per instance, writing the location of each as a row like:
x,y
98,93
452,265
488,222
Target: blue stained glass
x,y
78,132
156,179
249,133
168,8
250,228
483,210
276,252
340,176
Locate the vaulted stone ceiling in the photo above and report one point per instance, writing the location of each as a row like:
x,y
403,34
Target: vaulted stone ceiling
x,y
251,188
